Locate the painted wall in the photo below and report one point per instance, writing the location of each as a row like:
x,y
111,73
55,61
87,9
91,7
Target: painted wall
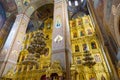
x,y
2,15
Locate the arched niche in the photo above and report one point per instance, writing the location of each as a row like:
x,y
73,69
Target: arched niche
x,y
33,7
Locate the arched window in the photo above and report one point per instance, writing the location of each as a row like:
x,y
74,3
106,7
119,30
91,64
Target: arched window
x,y
93,45
76,48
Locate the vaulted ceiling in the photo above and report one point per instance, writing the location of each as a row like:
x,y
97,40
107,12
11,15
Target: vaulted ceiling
x,y
39,10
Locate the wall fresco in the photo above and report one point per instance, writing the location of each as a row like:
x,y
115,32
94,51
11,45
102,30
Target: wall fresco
x,y
99,8
2,16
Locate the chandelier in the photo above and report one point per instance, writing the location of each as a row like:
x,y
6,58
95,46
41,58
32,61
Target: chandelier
x,y
88,59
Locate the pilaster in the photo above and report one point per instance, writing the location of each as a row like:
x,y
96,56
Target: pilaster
x,y
60,41
12,46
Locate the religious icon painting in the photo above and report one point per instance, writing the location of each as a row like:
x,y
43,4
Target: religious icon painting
x,y
93,45
76,48
48,25
26,2
73,24
85,48
82,33
58,22
97,58
89,31
75,35
79,22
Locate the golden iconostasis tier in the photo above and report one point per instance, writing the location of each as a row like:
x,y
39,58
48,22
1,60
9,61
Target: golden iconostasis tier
x,y
87,55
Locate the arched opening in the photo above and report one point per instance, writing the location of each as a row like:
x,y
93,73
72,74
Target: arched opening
x,y
43,77
39,16
54,76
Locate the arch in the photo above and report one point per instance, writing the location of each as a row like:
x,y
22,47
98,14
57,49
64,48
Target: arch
x,y
116,24
29,11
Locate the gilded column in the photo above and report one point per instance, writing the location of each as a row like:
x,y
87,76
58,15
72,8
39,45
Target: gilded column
x,y
60,41
11,48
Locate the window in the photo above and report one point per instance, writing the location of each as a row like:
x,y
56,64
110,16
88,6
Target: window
x,y
76,3
70,3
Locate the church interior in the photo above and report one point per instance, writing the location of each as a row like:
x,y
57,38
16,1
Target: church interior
x,y
59,39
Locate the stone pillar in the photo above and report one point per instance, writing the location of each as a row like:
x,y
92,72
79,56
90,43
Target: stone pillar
x,y
61,38
11,48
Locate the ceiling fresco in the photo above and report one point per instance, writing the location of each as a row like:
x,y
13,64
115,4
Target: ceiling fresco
x,y
44,12
39,16
79,10
9,5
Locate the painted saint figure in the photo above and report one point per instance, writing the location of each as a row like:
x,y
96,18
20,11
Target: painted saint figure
x,y
85,48
82,33
93,45
76,48
89,31
75,35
